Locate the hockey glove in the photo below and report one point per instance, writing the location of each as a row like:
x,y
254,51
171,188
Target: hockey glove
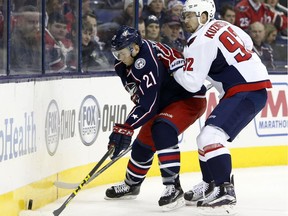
x,y
171,58
120,138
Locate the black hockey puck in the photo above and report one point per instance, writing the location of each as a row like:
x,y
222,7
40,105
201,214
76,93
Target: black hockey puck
x,y
30,204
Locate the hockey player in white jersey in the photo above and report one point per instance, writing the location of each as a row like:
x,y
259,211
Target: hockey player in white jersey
x,y
221,53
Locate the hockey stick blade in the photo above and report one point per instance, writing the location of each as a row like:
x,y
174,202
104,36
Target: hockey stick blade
x,y
80,186
67,185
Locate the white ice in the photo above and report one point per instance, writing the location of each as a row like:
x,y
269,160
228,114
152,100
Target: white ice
x,y
260,191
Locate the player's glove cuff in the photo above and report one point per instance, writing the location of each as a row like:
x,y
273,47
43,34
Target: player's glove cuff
x,y
175,65
120,138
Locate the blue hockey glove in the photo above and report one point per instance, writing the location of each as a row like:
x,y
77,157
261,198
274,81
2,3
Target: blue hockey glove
x,y
120,138
171,58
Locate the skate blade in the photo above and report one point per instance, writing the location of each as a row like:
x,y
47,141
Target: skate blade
x,y
218,211
128,197
191,203
175,205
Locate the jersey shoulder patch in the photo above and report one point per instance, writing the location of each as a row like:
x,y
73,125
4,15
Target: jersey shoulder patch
x,y
140,63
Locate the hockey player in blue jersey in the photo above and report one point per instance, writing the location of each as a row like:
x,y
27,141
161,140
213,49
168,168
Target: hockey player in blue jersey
x,y
163,109
221,53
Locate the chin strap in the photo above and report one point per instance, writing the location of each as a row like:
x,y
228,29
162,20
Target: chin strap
x,y
200,24
131,49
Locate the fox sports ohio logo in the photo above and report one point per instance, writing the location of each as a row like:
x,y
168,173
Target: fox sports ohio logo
x,y
89,120
52,127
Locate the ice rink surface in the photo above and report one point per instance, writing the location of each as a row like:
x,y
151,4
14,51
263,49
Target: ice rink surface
x,y
261,191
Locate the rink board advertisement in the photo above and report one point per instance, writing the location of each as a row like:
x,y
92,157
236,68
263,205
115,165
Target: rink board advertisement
x,y
50,126
47,127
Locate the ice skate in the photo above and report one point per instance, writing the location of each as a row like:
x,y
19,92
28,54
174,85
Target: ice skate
x,y
198,192
171,198
221,201
122,191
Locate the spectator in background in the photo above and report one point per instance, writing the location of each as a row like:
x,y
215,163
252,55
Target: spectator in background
x,y
275,6
175,7
282,11
91,18
52,6
228,13
264,50
250,11
279,49
96,58
171,33
127,16
152,28
156,8
25,43
86,7
57,46
70,16
142,27
270,34
92,57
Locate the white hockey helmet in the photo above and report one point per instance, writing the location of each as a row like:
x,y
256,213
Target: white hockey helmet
x,y
200,6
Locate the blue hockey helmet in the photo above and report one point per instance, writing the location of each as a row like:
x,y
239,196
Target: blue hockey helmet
x,y
124,37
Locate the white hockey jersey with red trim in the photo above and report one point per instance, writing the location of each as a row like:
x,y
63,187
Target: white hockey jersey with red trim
x,y
222,54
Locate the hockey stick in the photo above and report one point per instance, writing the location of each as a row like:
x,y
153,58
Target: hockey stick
x,y
80,186
66,185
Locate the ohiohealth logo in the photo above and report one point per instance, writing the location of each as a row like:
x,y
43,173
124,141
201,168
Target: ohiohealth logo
x,y
89,120
52,127
273,119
